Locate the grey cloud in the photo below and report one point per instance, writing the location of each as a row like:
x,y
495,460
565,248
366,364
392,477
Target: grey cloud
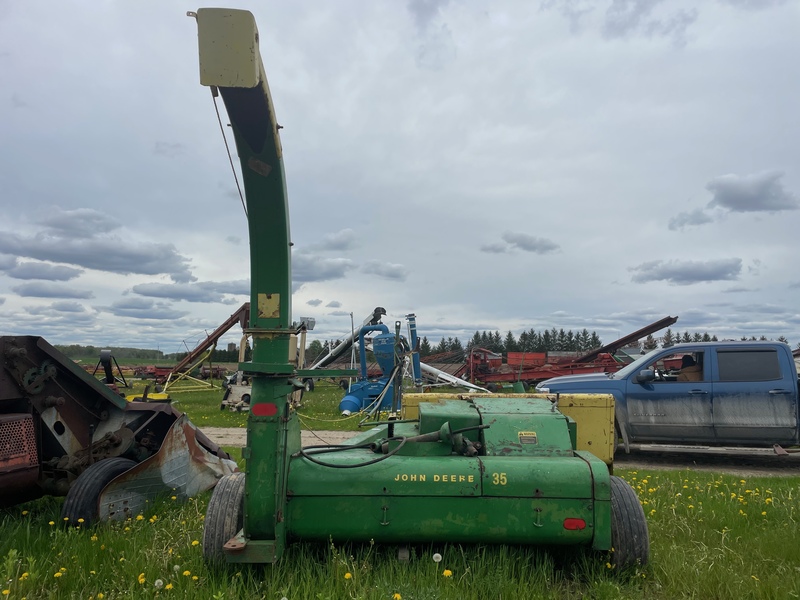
x,y
309,267
205,291
425,11
339,313
530,243
626,17
685,219
494,248
55,316
572,10
168,149
85,222
100,253
7,262
385,270
341,240
314,302
2,300
687,272
31,270
753,4
737,289
47,289
234,239
759,192
67,306
141,308
333,304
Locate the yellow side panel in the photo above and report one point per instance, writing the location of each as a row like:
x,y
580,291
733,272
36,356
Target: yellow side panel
x,y
594,414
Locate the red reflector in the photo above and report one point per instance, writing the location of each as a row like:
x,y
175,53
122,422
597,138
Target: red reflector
x,y
574,524
266,409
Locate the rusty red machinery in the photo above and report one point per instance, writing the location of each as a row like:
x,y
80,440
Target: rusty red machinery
x,y
530,368
65,433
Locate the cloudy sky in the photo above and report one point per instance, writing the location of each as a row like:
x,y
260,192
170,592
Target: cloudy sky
x,y
498,165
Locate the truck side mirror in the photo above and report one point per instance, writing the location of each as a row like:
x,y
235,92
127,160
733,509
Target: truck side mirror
x,y
645,375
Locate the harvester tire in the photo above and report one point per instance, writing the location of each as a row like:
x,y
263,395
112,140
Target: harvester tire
x,y
308,385
82,498
224,516
629,536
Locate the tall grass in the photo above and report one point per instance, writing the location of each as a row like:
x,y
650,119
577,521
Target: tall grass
x,y
712,536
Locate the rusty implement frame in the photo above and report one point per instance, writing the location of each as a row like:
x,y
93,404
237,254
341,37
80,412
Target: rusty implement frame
x,y
182,466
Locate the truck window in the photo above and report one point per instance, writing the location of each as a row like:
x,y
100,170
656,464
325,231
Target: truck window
x,y
679,367
748,365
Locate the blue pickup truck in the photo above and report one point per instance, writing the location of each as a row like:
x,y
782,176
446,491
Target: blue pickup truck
x,y
714,393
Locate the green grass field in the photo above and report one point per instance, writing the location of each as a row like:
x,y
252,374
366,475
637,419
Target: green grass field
x,y
712,536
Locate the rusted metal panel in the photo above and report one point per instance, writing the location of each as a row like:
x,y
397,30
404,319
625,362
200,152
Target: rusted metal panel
x,y
184,466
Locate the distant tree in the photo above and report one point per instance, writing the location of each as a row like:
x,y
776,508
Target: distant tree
x,y
667,339
475,342
686,337
649,343
714,338
595,342
510,344
441,347
584,340
783,339
456,346
314,350
425,347
496,345
697,337
706,337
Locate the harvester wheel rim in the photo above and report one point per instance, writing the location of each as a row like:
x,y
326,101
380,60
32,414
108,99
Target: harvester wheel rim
x,y
224,516
629,535
82,499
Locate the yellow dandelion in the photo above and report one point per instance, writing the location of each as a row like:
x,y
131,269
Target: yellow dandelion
x,y
80,520
608,565
397,596
66,518
187,573
754,577
24,512
174,497
348,575
93,572
63,570
168,586
447,573
141,579
52,523
93,538
6,592
195,543
763,513
140,517
100,596
194,577
57,575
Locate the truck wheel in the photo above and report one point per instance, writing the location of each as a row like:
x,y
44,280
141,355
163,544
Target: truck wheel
x,y
81,500
224,515
629,536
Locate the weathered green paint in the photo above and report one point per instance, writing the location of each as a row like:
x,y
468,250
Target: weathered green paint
x,y
522,486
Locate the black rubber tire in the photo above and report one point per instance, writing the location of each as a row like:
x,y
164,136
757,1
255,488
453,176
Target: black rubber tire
x,y
246,398
308,385
343,384
224,516
629,535
81,500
